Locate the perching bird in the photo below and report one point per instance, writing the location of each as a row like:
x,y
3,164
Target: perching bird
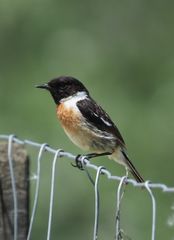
x,y
86,123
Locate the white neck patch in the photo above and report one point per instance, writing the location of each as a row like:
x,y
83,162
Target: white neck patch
x,y
72,100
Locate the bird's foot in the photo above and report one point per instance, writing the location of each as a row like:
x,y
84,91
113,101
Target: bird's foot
x,y
78,162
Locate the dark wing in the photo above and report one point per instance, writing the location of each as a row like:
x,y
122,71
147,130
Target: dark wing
x,y
97,117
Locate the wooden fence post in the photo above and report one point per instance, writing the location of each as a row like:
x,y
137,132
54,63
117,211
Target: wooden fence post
x,y
21,173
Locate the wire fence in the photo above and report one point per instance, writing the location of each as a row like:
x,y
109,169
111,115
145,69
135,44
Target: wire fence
x,y
59,153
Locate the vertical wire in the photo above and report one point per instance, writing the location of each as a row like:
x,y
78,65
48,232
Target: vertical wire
x,y
153,209
97,202
15,203
57,154
119,198
42,148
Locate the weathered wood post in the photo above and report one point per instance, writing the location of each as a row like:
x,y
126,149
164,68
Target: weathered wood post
x,y
21,173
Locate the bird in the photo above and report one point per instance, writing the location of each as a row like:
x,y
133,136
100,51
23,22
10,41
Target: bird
x,y
86,124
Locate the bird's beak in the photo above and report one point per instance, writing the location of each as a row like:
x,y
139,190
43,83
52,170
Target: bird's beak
x,y
44,86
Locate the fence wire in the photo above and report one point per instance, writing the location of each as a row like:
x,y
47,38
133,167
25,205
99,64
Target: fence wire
x,y
57,153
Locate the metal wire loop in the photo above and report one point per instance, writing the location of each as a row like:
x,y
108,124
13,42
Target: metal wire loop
x,y
42,149
120,193
153,209
97,202
13,183
56,156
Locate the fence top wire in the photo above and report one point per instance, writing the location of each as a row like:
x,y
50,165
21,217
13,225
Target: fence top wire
x,y
85,162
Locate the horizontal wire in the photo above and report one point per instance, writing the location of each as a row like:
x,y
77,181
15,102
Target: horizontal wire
x,y
87,163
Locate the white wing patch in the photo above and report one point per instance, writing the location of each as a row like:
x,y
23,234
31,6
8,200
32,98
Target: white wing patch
x,y
107,123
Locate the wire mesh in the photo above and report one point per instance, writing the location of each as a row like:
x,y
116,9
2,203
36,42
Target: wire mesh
x,y
57,153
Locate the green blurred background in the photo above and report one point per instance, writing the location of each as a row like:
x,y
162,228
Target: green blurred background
x,y
123,52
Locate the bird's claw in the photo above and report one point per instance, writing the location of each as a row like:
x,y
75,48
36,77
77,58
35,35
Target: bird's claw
x,y
78,162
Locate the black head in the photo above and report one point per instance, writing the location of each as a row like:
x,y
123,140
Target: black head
x,y
63,87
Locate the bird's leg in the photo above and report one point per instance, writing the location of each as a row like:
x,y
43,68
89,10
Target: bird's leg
x,y
94,155
127,172
78,163
127,175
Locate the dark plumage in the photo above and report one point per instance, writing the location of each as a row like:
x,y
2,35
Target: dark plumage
x,y
98,117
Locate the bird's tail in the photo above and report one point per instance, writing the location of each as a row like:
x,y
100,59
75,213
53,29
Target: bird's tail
x,y
132,169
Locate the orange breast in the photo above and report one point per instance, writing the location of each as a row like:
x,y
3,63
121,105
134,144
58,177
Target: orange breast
x,y
73,125
79,133
70,119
